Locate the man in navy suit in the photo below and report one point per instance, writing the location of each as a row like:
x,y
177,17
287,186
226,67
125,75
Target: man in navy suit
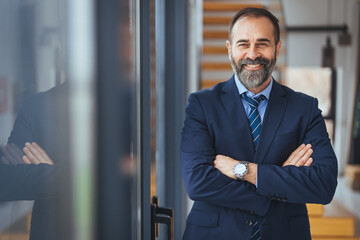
x,y
254,152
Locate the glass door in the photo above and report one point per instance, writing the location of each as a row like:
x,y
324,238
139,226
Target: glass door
x,y
154,215
37,185
163,92
92,95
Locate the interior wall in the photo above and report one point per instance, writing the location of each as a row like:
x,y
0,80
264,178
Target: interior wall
x,y
305,50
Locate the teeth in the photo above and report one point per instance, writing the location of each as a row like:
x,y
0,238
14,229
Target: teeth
x,y
253,65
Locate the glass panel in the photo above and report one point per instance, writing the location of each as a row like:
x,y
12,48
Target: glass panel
x,y
47,119
153,98
160,97
133,72
82,125
118,124
34,109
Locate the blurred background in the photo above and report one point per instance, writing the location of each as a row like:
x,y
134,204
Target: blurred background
x,y
101,87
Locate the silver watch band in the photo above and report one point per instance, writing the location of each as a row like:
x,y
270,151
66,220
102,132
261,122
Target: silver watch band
x,y
241,175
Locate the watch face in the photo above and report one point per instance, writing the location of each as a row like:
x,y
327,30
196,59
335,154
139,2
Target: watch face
x,y
240,169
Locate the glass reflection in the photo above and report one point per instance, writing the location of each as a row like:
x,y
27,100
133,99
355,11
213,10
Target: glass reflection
x,y
51,110
33,117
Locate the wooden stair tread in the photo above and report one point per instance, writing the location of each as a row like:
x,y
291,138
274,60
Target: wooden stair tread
x,y
215,50
227,6
209,83
214,66
211,34
335,238
222,20
335,221
315,209
14,236
332,226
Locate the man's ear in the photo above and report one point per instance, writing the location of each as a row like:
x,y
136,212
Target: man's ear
x,y
228,45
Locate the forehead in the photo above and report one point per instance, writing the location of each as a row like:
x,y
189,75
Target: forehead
x,y
252,28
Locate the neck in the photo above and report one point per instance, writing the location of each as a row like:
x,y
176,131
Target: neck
x,y
261,87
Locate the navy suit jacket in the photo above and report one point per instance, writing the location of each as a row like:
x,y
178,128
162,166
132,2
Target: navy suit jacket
x,y
216,123
42,119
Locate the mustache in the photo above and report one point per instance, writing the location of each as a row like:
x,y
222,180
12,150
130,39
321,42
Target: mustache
x,y
258,60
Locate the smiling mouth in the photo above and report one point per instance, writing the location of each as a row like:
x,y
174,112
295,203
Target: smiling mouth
x,y
253,67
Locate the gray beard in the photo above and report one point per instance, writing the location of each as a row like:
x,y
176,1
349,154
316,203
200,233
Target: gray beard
x,y
253,79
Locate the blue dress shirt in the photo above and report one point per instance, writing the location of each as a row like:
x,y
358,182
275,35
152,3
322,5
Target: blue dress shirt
x,y
262,105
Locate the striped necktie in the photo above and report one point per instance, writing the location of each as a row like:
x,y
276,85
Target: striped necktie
x,y
255,126
254,117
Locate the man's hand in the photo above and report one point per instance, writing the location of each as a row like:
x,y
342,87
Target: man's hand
x,y
225,165
12,154
300,157
34,154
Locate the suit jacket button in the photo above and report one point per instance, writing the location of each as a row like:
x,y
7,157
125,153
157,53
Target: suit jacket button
x,y
249,222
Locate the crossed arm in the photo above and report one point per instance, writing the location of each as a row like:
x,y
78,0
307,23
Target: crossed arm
x,y
307,176
32,153
22,177
300,157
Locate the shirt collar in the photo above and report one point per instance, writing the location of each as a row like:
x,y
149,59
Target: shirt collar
x,y
242,89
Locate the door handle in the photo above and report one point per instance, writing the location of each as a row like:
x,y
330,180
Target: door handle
x,y
161,215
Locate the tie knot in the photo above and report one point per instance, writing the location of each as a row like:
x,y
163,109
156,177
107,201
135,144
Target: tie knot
x,y
253,101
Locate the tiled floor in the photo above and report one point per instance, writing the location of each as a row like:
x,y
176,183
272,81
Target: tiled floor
x,y
349,199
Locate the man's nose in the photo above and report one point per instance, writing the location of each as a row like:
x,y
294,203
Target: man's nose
x,y
252,53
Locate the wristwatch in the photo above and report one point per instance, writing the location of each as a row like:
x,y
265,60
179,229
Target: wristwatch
x,y
240,170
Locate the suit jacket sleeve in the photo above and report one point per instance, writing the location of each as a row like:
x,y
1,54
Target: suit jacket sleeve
x,y
22,181
28,182
202,181
314,184
24,128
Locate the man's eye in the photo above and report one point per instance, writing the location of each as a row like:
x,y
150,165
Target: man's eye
x,y
243,45
262,44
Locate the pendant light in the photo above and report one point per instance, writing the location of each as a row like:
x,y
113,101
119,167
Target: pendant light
x,y
328,52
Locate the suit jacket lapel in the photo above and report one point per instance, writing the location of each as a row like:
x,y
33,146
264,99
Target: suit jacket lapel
x,y
272,119
235,110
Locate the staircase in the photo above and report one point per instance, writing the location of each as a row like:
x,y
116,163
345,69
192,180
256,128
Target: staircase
x,y
331,222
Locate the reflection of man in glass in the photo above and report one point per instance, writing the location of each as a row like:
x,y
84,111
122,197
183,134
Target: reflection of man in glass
x,y
36,140
34,154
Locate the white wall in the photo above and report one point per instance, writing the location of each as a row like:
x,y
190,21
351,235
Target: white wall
x,y
305,50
